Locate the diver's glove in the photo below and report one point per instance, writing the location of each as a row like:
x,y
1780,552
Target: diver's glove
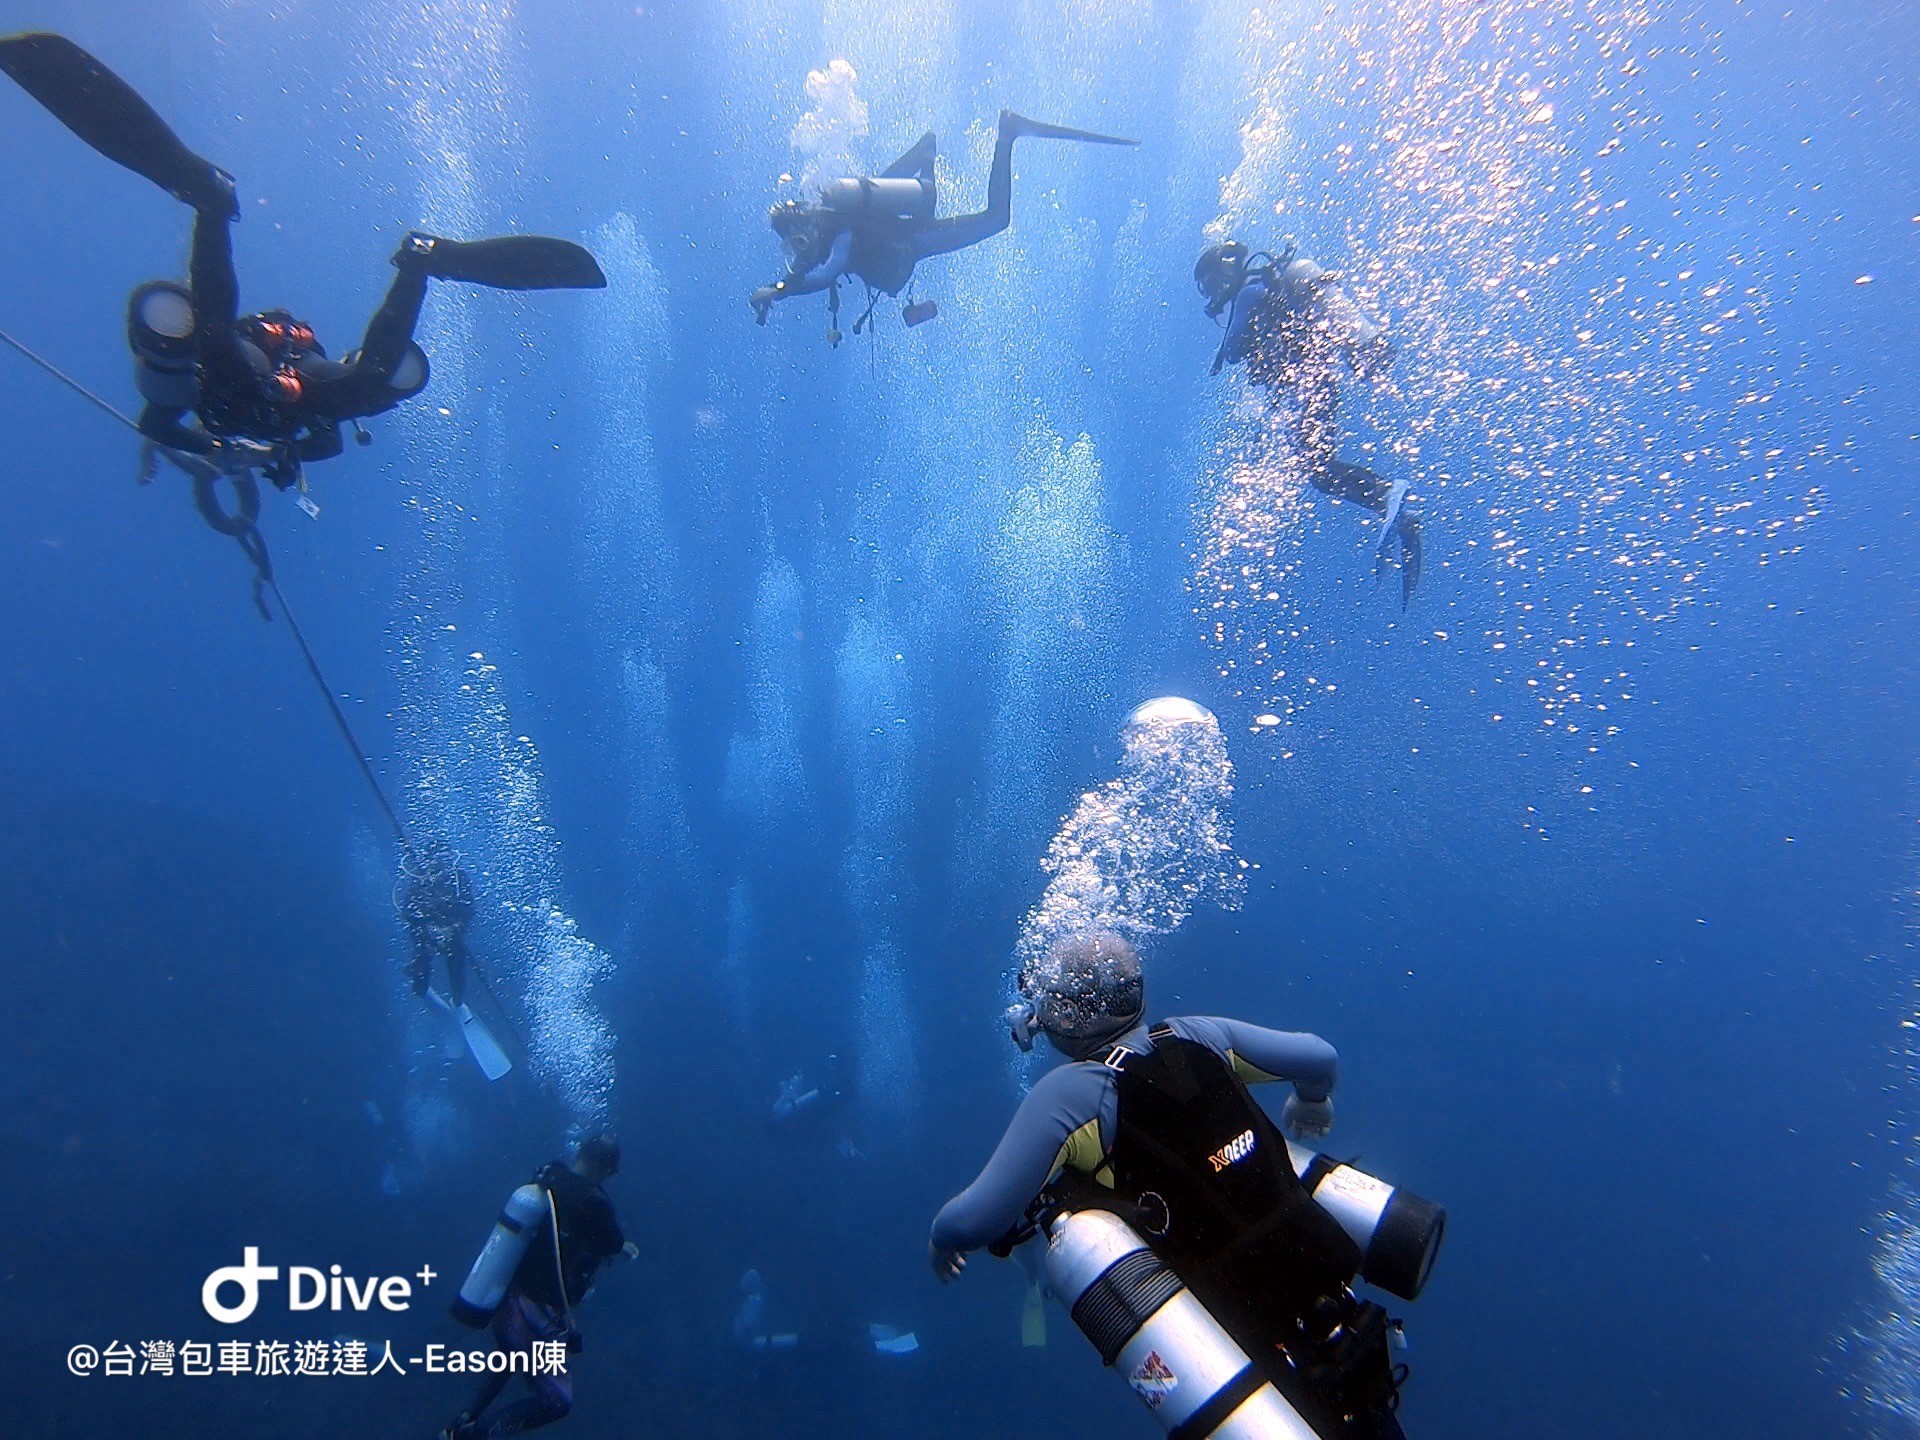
x,y
762,302
238,456
1306,1120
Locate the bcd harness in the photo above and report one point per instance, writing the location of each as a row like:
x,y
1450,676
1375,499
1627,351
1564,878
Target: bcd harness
x,y
1203,1174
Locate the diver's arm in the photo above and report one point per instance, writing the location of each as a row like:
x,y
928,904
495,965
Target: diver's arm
x,y
163,425
1240,323
1260,1055
808,282
1060,1114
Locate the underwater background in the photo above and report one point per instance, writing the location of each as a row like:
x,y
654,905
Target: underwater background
x,y
754,678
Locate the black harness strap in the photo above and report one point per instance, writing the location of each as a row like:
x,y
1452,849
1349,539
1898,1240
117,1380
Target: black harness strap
x,y
1227,1399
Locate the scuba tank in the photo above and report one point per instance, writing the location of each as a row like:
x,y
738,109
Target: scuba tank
x,y
486,1283
1398,1233
1144,1322
887,198
160,334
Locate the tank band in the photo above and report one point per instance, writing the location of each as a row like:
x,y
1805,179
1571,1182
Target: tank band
x,y
1125,1297
1212,1414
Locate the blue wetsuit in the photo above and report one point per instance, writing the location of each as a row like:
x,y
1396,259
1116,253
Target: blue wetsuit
x,y
1068,1119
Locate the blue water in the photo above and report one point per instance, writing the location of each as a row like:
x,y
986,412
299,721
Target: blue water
x,y
754,679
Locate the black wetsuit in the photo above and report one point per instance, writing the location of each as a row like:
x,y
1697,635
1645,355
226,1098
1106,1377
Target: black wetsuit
x,y
536,1309
1247,1238
1280,328
238,394
880,245
437,906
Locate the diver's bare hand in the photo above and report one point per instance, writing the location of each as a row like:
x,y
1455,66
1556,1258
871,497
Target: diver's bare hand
x,y
762,301
947,1264
237,456
1307,1119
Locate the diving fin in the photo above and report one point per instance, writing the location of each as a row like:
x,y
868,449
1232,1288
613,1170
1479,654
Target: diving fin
x,y
1033,1318
915,164
1020,125
452,1043
107,113
486,1051
1396,499
1406,524
469,1027
1410,556
505,262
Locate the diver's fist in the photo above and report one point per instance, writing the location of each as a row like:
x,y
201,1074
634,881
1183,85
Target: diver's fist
x,y
762,301
1306,1120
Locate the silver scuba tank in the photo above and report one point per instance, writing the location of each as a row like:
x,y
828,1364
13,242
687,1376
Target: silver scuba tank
x,y
886,198
160,334
486,1283
1147,1325
1397,1231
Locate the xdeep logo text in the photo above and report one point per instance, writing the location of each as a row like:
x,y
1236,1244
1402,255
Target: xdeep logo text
x,y
307,1288
1233,1152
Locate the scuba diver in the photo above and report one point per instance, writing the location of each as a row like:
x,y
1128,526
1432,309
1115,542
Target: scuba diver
x,y
1292,325
435,898
801,1096
1156,1125
261,387
878,228
559,1230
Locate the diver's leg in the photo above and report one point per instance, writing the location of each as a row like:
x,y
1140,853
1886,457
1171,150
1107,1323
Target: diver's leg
x,y
420,965
211,278
1353,482
456,967
917,163
391,328
957,232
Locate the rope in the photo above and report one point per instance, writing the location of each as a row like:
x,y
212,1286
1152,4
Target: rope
x,y
246,534
192,464
253,545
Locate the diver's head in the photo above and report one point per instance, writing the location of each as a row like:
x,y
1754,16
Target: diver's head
x,y
793,220
1083,995
798,226
1220,272
598,1157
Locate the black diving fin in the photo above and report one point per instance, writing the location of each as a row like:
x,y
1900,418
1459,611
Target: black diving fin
x,y
1040,130
505,262
107,113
